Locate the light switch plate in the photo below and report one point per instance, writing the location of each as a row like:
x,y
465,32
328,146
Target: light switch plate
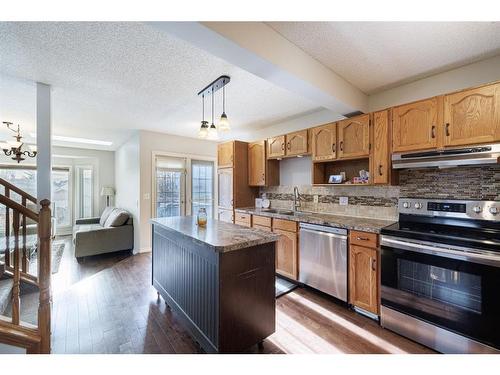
x,y
315,199
343,201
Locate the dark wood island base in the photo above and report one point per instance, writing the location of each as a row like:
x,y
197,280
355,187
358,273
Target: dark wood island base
x,y
223,290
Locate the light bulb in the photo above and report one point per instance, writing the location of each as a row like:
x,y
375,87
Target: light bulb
x,y
32,148
212,132
15,144
5,146
224,123
203,132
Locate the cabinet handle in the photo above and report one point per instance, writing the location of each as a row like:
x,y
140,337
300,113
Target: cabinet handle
x,y
341,145
380,170
263,176
288,146
333,147
283,146
433,131
232,203
374,265
362,238
447,129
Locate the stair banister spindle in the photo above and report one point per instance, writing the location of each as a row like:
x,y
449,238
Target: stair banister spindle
x,y
44,267
17,276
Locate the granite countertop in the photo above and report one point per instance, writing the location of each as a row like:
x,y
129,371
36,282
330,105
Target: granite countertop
x,y
218,235
337,221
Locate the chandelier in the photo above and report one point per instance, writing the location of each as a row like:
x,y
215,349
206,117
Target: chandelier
x,y
14,148
211,131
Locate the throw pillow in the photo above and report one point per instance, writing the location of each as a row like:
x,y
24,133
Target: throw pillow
x,y
105,214
117,218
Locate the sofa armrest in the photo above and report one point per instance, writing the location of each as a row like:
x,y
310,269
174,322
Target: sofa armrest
x,y
87,220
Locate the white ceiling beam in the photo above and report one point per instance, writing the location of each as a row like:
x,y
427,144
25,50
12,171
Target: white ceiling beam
x,y
259,49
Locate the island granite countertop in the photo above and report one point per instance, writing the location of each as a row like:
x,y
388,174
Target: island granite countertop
x,y
337,221
218,235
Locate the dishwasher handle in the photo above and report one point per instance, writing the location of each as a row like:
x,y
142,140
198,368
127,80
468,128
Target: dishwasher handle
x,y
317,229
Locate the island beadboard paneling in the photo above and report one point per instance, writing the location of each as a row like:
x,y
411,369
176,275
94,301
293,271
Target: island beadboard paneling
x,y
481,183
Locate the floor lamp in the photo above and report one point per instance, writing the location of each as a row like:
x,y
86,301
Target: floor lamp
x,y
107,191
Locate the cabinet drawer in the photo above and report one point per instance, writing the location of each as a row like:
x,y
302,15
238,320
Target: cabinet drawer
x,y
262,221
243,219
290,226
365,239
261,227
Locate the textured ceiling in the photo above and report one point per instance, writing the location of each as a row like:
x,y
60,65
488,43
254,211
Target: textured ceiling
x,y
111,78
378,55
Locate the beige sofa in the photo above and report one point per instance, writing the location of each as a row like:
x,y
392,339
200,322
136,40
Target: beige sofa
x,y
113,231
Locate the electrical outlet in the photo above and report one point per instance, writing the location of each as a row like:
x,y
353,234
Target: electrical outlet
x,y
315,199
146,196
343,201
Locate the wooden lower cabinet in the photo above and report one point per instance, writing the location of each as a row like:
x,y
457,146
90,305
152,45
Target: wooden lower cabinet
x,y
363,278
225,215
286,254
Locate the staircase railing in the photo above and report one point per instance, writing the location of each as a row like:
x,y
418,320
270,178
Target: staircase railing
x,y
13,331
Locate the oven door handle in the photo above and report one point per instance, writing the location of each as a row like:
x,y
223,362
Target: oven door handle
x,y
474,256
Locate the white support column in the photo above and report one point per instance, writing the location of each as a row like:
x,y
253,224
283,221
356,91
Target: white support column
x,y
44,142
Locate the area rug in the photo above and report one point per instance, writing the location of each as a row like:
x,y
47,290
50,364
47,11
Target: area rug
x,y
57,253
283,286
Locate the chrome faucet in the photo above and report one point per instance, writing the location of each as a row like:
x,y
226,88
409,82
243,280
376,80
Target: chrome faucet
x,y
296,198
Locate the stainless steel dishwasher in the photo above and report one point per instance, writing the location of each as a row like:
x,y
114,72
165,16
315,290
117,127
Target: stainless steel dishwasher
x,y
323,259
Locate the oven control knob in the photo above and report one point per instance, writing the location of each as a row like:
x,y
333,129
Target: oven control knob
x,y
418,205
406,204
477,209
493,210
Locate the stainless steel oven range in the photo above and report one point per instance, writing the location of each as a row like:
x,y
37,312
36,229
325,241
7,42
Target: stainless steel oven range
x,y
441,274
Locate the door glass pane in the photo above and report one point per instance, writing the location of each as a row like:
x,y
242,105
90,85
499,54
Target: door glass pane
x,y
60,197
168,192
85,192
202,182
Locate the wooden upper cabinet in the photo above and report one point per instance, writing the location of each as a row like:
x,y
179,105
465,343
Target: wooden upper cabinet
x,y
225,190
472,116
363,278
276,147
414,126
381,154
296,143
257,163
225,155
324,139
354,137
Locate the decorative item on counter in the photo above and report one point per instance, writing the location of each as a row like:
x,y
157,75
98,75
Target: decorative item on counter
x,y
202,217
258,202
266,203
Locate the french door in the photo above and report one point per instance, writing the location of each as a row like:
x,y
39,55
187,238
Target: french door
x,y
170,192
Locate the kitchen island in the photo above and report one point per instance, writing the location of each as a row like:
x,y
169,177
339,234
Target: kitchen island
x,y
220,279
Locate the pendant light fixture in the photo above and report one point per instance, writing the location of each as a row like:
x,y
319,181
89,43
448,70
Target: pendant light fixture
x,y
211,132
224,122
203,132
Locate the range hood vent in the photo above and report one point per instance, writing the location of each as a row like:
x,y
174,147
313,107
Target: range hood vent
x,y
449,158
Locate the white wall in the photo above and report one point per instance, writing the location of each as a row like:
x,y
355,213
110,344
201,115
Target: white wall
x,y
295,171
152,141
475,74
127,175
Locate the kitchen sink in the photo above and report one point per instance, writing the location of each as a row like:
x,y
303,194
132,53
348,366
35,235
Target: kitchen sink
x,y
280,212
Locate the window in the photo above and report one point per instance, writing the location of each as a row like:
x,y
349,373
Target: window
x,y
84,192
25,179
202,186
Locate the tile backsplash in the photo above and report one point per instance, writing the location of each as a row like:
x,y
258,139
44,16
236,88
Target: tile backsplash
x,y
380,202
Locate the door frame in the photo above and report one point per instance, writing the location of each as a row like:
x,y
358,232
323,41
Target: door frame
x,y
188,190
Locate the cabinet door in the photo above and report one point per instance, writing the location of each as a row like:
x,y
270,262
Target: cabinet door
x,y
276,147
381,155
363,276
324,139
286,254
414,126
472,116
257,163
225,155
225,215
296,143
354,137
225,187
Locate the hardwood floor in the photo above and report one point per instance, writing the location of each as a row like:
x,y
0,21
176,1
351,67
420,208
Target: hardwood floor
x,y
117,310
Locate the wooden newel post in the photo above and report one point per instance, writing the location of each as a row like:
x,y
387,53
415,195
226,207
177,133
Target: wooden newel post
x,y
44,273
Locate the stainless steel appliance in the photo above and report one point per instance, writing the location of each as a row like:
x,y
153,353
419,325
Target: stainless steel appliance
x,y
472,155
440,274
323,259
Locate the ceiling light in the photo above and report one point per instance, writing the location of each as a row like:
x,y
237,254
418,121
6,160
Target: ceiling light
x,y
14,148
78,140
211,132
